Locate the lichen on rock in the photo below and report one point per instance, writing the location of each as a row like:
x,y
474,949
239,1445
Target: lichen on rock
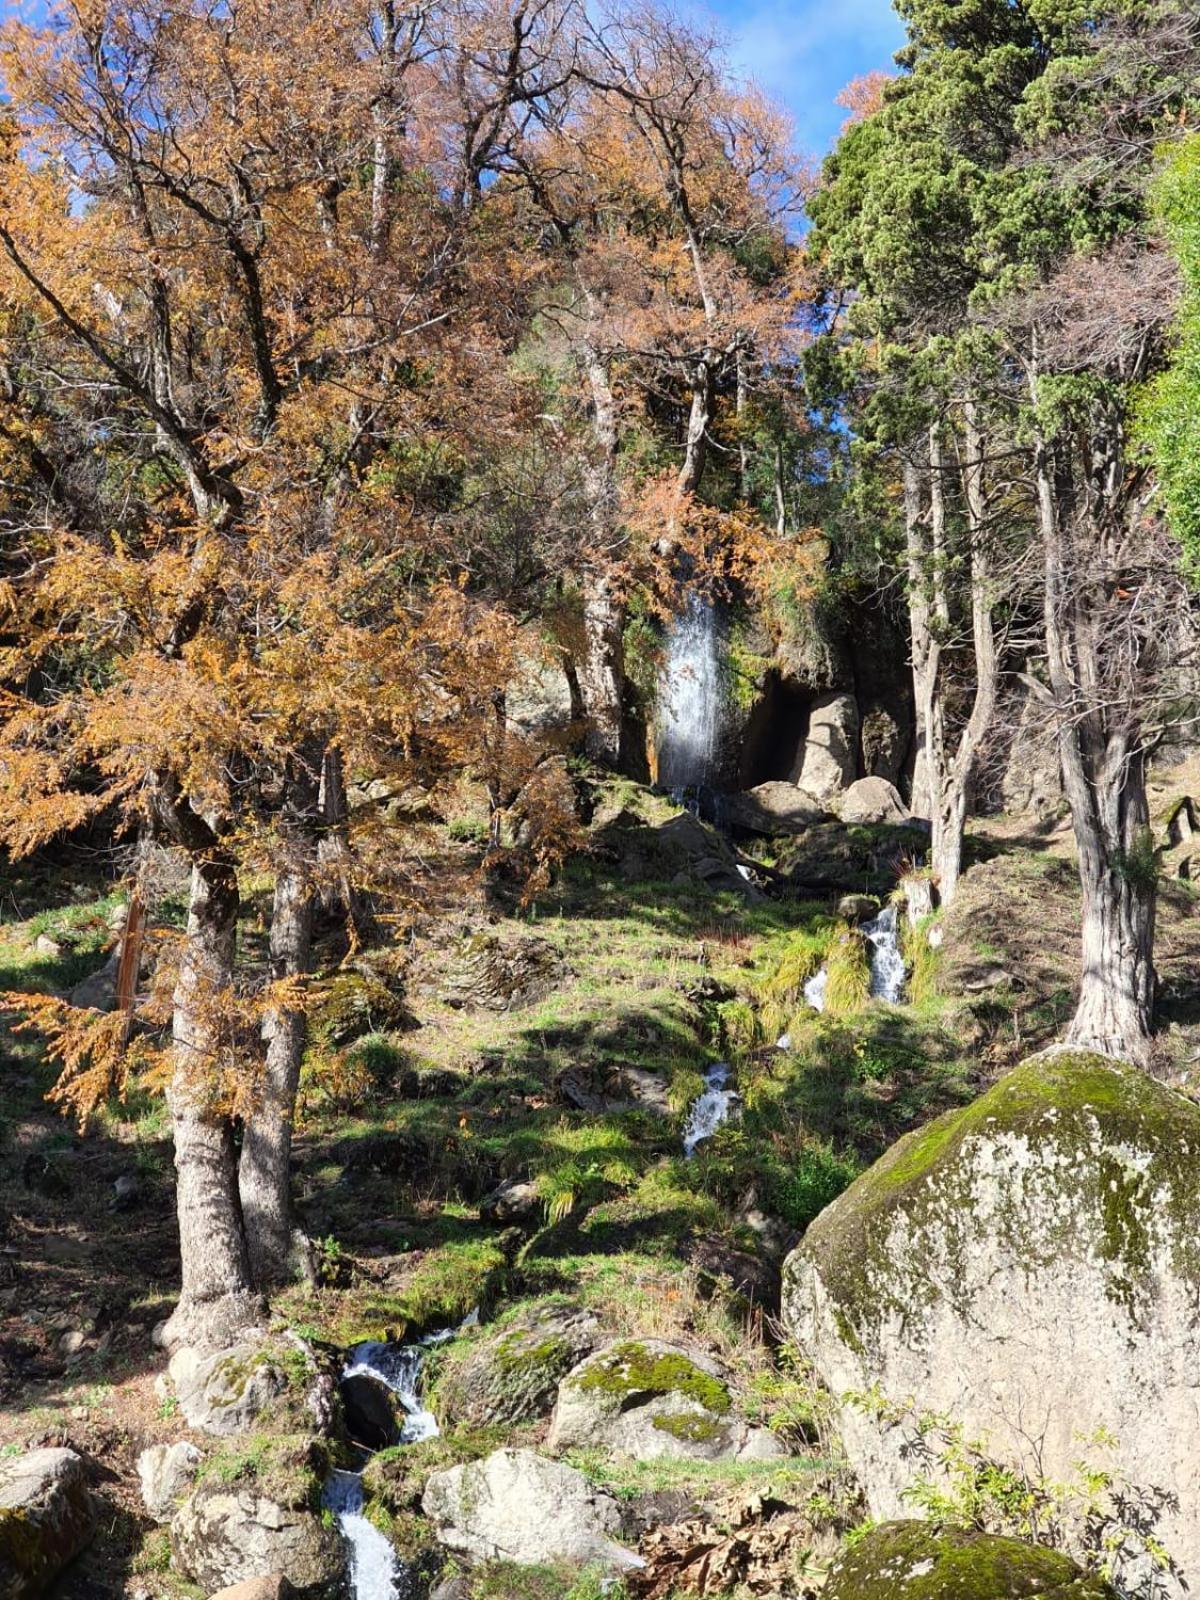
x,y
1028,1268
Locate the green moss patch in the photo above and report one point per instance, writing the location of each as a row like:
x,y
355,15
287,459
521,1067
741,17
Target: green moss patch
x,y
918,1561
632,1370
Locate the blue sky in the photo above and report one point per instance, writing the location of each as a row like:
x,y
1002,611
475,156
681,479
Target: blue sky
x,y
803,51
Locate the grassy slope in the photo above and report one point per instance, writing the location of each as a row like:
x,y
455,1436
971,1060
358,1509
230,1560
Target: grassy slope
x,y
400,1138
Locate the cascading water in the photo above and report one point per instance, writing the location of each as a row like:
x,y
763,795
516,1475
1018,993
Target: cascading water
x,y
709,1109
887,963
376,1572
689,699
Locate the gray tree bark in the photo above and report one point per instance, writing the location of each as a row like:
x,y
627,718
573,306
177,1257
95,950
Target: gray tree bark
x,y
264,1172
217,1298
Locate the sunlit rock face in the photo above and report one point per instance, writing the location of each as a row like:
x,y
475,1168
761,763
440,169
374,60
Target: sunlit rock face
x,y
1028,1267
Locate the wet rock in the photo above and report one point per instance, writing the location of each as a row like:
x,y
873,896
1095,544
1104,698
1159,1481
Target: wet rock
x,y
920,1561
373,1412
47,1516
512,1375
858,907
517,1506
644,1398
166,1472
224,1392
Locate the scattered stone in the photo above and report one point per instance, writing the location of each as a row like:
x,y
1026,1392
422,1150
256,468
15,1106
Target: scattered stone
x,y
512,1375
827,762
977,980
647,1090
46,1517
504,974
276,1587
773,808
921,1561
514,1200
224,1392
517,1506
872,800
99,989
646,1398
1031,1255
44,945
166,1472
72,1342
127,1191
228,1534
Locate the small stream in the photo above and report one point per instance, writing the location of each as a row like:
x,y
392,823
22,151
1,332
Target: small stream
x,y
376,1571
709,1109
882,933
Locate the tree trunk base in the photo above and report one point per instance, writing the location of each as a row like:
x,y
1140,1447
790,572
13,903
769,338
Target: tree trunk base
x,y
214,1324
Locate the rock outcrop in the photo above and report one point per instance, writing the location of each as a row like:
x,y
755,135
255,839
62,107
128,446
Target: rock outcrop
x,y
645,1398
829,758
773,808
516,1506
1028,1268
914,1561
46,1518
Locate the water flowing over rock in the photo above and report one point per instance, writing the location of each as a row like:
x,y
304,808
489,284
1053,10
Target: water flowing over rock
x,y
374,1569
517,1506
1028,1268
710,1109
46,1517
690,698
887,962
645,1398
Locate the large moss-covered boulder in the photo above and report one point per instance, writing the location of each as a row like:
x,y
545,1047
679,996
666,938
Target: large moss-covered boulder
x,y
46,1517
1029,1268
644,1398
915,1561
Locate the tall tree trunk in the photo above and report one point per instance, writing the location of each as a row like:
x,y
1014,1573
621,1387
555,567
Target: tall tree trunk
x,y
926,652
264,1172
217,1298
957,782
1104,777
601,672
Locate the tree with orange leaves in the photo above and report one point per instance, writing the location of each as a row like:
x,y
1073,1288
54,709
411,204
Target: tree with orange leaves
x,y
234,369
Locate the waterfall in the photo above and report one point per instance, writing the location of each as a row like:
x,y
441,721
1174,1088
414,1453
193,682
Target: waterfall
x,y
887,964
376,1572
709,1109
689,698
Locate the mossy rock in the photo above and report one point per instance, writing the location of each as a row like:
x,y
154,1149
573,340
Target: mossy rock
x,y
511,1374
644,1398
1031,1256
919,1561
46,1517
351,1005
